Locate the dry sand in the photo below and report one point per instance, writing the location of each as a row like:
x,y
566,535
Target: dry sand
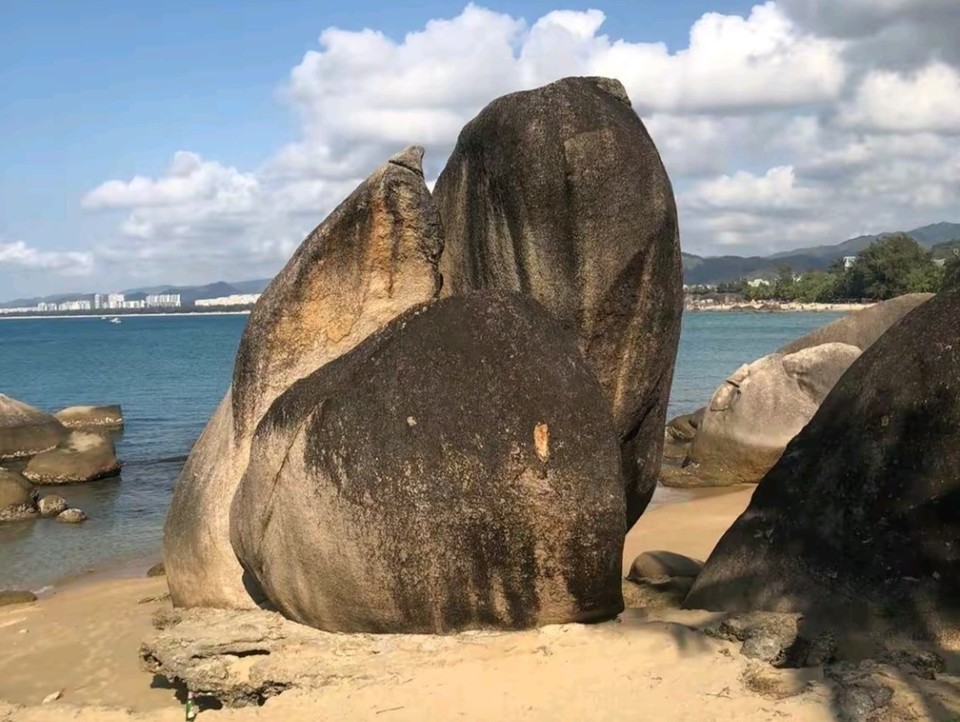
x,y
645,666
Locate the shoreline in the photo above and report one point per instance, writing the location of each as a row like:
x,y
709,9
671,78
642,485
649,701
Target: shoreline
x,y
127,568
776,307
10,317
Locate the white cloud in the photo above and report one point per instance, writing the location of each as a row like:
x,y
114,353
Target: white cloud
x,y
19,255
803,122
926,100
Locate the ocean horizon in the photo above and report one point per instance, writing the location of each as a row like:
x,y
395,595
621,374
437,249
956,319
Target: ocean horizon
x,y
170,372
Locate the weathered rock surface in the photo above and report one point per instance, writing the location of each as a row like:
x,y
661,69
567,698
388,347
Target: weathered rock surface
x,y
375,256
18,498
860,328
860,515
25,431
91,417
560,193
759,408
51,505
83,456
664,564
473,418
656,592
680,433
157,570
71,516
13,596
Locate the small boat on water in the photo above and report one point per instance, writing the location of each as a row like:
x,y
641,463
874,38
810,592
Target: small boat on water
x,y
115,320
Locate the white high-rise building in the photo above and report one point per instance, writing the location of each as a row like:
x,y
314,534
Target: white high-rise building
x,y
115,300
99,301
164,300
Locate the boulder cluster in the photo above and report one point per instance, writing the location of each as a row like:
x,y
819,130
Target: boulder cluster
x,y
39,449
448,408
742,432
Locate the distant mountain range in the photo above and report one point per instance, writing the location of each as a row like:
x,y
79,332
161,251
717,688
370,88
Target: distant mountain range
x,y
722,269
941,238
189,295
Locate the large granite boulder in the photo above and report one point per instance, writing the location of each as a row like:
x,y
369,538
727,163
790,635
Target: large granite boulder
x,y
18,498
860,328
373,257
759,408
560,193
459,469
91,417
25,431
83,456
861,514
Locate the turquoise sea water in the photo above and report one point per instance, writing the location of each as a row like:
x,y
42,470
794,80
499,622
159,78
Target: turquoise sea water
x,y
169,373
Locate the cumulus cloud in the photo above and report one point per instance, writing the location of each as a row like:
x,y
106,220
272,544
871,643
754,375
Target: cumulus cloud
x,y
800,123
19,255
926,100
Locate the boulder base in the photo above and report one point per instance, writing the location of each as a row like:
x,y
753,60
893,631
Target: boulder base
x,y
457,470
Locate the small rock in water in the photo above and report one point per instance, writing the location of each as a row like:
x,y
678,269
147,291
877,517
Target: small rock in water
x,y
16,596
157,570
53,696
71,516
52,505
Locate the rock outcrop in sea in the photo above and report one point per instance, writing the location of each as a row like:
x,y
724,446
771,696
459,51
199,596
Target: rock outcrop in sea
x,y
82,456
25,431
859,517
388,462
91,417
560,193
753,415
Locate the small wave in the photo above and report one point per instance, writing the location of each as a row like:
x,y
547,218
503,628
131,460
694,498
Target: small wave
x,y
151,462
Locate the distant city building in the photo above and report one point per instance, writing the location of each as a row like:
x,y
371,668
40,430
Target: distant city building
x,y
99,301
163,300
115,300
238,299
132,304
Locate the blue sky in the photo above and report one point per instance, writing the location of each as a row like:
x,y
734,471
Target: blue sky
x,y
102,90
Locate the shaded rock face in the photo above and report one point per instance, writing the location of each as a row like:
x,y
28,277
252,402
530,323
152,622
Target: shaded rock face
x,y
25,431
754,414
457,470
653,564
375,256
82,457
680,433
860,328
18,498
560,193
91,417
12,596
862,512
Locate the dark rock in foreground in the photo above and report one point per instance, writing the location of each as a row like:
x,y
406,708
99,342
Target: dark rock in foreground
x,y
861,515
560,193
71,516
25,431
457,470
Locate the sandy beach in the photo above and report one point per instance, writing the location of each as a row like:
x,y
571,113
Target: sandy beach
x,y
83,642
